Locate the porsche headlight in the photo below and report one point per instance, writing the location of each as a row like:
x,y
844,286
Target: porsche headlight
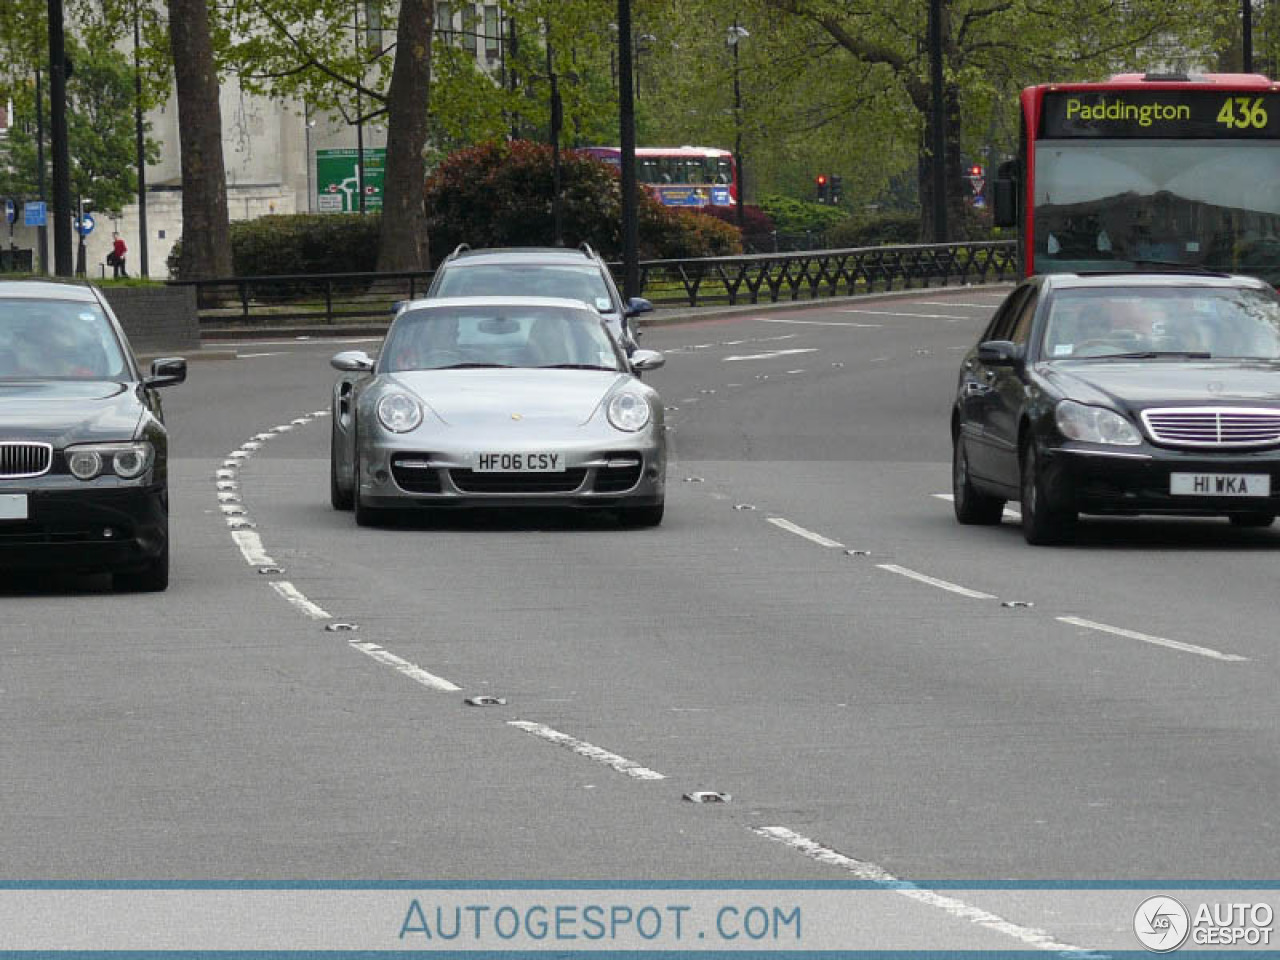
x,y
126,460
399,412
1095,425
629,411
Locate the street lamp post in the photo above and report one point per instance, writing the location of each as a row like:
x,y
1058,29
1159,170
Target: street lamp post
x,y
627,148
938,146
141,144
557,116
1247,37
61,219
736,35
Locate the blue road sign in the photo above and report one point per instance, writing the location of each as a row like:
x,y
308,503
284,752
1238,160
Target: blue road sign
x,y
10,210
34,213
85,225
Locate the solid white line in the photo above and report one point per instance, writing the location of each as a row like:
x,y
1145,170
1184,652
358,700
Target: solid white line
x,y
250,545
956,303
770,355
249,356
898,313
935,582
591,752
818,323
1009,512
800,531
1158,641
295,597
410,670
952,906
294,343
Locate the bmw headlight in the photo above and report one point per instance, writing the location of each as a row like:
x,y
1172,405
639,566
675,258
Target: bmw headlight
x,y
629,411
399,412
1095,425
126,460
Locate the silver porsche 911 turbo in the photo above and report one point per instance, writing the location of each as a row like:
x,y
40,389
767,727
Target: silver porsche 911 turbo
x,y
497,401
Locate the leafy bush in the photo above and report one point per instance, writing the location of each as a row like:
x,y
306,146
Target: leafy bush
x,y
299,243
799,216
499,194
887,229
757,222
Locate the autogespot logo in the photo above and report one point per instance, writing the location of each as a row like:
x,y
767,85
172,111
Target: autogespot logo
x,y
1161,924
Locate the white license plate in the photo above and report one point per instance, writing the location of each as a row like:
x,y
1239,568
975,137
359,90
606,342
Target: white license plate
x,y
13,506
1220,484
519,463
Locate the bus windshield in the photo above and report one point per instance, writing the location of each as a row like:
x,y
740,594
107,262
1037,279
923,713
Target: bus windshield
x,y
1126,204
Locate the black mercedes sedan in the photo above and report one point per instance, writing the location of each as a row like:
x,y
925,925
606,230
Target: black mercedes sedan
x,y
1121,394
83,446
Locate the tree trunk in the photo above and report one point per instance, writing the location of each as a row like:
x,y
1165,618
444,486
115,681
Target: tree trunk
x,y
402,244
206,247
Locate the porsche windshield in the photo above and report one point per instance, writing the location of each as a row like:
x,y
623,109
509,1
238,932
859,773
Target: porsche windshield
x,y
57,339
498,336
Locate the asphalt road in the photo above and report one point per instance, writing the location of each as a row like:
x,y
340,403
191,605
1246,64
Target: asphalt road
x,y
877,688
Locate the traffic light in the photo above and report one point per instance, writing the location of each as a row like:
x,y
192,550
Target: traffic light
x,y
837,186
975,170
823,186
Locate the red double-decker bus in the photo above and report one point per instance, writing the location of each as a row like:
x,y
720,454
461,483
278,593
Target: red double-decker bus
x,y
1145,171
681,176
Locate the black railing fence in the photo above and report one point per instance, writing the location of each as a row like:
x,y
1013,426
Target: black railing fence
x,y
749,278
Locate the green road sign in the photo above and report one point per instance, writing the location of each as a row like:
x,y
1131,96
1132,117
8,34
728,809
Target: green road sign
x,y
336,182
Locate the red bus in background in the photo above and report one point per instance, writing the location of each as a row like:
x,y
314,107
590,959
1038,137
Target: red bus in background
x,y
1145,171
681,176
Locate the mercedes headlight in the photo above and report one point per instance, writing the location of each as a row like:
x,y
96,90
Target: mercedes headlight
x,y
399,412
629,411
1095,425
126,460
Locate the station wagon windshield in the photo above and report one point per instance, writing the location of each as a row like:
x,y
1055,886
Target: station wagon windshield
x,y
565,282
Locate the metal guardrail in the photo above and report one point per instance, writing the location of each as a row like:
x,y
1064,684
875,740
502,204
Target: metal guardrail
x,y
770,277
750,278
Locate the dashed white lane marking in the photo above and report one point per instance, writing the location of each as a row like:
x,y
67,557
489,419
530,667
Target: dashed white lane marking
x,y
770,355
590,751
250,545
820,323
957,303
1011,512
410,670
296,597
800,531
952,906
1158,641
294,343
899,313
250,356
935,582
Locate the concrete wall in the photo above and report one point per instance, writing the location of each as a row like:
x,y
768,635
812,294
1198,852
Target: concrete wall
x,y
157,319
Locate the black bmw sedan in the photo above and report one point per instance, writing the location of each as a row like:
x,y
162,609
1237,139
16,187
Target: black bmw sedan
x,y
1121,394
83,446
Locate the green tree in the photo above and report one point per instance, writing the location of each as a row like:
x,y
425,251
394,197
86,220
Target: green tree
x,y
100,133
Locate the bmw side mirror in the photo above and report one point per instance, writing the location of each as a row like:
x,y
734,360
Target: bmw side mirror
x,y
999,353
166,371
637,306
352,361
647,360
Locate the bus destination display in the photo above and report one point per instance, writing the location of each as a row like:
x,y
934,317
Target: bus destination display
x,y
1179,114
